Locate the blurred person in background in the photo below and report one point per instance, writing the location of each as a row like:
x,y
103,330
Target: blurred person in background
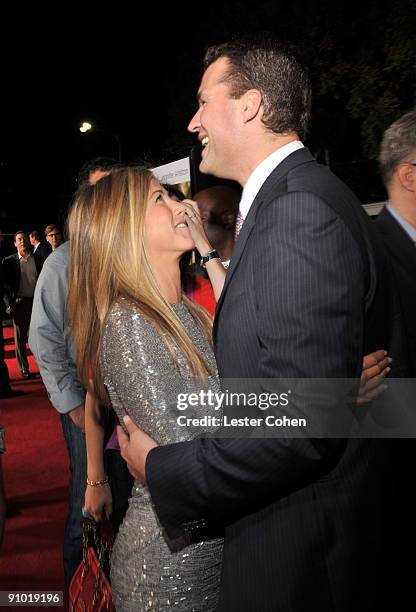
x,y
53,235
218,208
5,389
41,249
21,271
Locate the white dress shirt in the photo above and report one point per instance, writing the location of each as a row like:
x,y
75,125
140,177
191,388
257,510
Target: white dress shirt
x,y
259,176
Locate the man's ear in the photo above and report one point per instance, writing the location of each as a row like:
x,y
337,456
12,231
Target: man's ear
x,y
252,104
406,174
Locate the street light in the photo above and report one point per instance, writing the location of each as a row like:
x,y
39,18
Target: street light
x,y
86,126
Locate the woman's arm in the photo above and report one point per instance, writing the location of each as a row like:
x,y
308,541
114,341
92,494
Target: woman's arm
x,y
216,274
97,498
214,267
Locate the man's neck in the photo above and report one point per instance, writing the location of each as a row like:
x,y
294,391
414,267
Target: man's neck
x,y
405,206
23,253
260,150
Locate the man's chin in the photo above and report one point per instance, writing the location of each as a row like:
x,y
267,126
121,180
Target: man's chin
x,y
203,167
206,168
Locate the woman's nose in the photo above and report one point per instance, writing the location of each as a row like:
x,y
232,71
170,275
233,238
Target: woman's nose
x,y
179,209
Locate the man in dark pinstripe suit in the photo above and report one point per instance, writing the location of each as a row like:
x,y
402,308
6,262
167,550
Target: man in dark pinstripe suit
x,y
303,298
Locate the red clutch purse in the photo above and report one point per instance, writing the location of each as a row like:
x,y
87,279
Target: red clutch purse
x,y
90,589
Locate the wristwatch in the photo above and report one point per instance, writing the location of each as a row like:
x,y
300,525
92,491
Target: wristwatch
x,y
207,257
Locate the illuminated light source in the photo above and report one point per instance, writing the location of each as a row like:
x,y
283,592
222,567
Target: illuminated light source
x,y
85,127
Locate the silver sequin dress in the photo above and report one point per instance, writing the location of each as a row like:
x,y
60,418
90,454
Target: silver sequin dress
x,y
143,381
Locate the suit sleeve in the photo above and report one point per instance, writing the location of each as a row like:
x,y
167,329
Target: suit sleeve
x,y
309,295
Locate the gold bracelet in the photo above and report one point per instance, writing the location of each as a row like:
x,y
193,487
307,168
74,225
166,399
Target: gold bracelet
x,y
97,483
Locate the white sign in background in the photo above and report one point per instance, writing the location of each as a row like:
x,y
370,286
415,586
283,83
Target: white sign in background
x,y
173,173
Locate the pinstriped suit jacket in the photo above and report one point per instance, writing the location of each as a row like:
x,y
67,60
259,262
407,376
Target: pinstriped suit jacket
x,y
301,516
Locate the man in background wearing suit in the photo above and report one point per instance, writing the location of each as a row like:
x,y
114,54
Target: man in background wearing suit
x,y
397,226
5,389
21,272
397,221
301,515
38,247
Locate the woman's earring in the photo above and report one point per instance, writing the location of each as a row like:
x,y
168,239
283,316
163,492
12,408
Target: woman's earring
x,y
192,262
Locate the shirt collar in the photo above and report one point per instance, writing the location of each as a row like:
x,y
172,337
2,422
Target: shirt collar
x,y
258,177
408,227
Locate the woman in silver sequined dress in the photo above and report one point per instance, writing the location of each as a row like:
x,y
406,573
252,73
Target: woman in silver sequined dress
x,y
145,342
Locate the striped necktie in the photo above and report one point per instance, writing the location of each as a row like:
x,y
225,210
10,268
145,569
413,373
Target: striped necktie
x,y
238,225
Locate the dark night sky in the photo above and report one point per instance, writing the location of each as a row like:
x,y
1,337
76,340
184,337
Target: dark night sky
x,y
122,85
131,72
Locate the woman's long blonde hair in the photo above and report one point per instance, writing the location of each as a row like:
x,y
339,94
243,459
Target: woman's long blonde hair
x,y
108,260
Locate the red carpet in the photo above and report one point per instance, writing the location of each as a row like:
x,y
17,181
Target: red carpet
x,y
36,473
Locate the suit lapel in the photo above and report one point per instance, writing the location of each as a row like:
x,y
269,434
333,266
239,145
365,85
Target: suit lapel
x,y
274,186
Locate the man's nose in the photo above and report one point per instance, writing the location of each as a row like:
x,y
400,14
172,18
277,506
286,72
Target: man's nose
x,y
194,123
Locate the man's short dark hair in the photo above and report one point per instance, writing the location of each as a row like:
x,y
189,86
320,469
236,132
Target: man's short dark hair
x,y
260,61
35,234
98,163
19,232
